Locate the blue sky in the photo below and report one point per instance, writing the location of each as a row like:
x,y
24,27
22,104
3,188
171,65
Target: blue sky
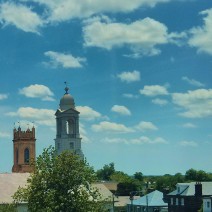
x,y
140,72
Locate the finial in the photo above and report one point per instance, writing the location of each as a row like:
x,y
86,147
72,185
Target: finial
x,y
66,88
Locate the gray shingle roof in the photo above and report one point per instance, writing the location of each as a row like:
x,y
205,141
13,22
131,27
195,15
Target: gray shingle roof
x,y
154,198
190,189
9,183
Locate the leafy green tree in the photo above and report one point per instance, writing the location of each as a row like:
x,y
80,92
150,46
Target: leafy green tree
x,y
8,208
106,172
120,177
139,176
60,183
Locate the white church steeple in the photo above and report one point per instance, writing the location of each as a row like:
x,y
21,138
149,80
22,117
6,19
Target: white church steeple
x,y
67,124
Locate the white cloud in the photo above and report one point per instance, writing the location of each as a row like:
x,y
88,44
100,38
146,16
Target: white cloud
x,y
188,143
63,60
201,36
129,77
189,125
109,35
122,110
197,103
110,127
64,10
3,96
20,16
39,116
145,126
37,91
193,82
130,96
88,113
5,135
160,102
136,141
154,90
147,140
83,134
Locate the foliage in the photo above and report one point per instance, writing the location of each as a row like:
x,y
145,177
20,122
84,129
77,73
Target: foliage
x,y
8,208
169,181
120,177
139,176
194,175
106,172
60,183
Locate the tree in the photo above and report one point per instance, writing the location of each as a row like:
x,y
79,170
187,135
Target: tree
x,y
139,176
60,183
106,172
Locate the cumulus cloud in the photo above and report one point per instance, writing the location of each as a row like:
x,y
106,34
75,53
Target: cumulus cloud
x,y
129,76
88,113
189,125
188,143
160,102
109,35
130,96
201,36
154,90
37,91
137,141
3,96
4,135
122,110
20,16
111,127
146,126
193,82
63,60
39,116
196,103
64,10
83,134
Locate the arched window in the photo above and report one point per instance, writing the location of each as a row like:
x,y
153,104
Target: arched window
x,y
26,155
70,126
16,158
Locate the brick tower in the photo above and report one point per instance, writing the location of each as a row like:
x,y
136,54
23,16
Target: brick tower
x,y
23,149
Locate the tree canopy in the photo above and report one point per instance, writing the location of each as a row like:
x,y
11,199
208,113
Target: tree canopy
x,y
60,183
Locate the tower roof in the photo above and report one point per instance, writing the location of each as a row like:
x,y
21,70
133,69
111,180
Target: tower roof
x,y
67,101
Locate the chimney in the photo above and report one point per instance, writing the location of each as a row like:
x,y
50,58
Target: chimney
x,y
198,189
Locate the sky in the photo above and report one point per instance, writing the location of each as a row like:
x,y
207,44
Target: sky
x,y
140,72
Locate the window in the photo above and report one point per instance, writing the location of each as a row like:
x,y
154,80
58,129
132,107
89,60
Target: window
x,y
26,155
58,145
177,202
208,204
171,201
178,190
16,156
182,201
71,145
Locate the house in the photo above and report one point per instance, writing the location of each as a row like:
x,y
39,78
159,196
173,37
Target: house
x,y
207,204
9,183
188,197
152,202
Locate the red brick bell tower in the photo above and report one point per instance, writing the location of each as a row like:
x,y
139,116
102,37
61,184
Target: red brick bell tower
x,y
23,150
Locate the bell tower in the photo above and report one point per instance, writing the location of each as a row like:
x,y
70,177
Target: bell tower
x,y
23,150
67,124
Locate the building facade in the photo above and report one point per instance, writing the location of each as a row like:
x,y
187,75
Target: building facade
x,y
23,150
67,126
188,197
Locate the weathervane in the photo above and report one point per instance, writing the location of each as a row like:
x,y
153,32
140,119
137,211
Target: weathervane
x,y
66,88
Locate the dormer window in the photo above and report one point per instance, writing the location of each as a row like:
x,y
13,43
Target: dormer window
x,y
178,190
